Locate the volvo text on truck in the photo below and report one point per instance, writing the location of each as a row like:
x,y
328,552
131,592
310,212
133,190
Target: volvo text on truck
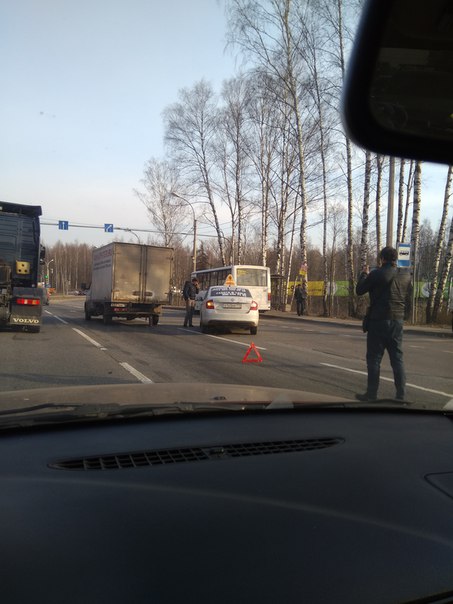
x,y
130,281
20,255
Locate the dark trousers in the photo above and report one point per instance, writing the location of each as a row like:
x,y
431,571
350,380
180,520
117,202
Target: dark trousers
x,y
385,335
190,307
300,307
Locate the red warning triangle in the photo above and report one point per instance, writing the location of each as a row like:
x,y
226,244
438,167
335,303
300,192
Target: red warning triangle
x,y
258,358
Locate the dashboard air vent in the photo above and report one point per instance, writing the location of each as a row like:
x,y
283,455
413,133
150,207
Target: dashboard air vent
x,y
159,457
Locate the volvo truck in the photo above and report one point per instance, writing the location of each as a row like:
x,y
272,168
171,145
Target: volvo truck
x,y
21,256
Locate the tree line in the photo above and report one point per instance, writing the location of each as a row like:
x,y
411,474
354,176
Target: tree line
x,y
268,151
265,158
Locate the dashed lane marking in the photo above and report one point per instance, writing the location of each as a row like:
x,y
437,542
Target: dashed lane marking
x,y
56,317
137,374
87,337
140,376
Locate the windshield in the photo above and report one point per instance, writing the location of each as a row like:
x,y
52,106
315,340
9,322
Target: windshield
x,y
162,139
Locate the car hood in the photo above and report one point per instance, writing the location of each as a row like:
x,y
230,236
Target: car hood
x,y
160,394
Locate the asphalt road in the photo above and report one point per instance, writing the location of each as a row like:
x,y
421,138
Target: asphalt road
x,y
327,358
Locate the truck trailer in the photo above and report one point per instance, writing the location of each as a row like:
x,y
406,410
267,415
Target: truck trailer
x,y
130,281
21,255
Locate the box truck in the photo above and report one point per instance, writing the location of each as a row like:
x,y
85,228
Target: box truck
x,y
21,256
130,281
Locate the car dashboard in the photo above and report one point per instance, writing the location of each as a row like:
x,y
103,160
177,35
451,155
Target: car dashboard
x,y
316,506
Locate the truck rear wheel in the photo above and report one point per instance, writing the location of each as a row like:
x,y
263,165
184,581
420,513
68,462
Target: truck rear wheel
x,y
153,320
87,314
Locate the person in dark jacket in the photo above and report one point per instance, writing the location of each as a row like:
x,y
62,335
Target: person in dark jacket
x,y
390,292
189,293
301,295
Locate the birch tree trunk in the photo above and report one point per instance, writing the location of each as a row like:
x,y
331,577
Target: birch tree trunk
x,y
350,243
311,52
365,211
399,226
379,165
409,185
439,248
415,233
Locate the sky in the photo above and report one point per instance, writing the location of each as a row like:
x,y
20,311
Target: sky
x,y
84,85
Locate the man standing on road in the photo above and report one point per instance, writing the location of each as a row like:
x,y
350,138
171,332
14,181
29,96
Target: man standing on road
x,y
189,293
390,293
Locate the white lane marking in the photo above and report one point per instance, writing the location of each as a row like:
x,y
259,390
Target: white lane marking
x,y
55,317
424,339
222,339
448,406
234,342
141,378
389,380
416,346
448,351
84,335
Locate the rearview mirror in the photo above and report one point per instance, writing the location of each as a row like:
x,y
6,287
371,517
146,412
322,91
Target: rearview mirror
x,y
398,95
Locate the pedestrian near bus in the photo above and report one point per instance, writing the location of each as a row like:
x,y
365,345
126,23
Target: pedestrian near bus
x,y
300,295
189,293
390,292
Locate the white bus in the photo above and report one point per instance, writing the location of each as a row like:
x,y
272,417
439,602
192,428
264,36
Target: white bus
x,y
255,278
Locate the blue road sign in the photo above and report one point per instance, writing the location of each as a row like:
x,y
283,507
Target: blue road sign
x,y
63,225
404,254
108,228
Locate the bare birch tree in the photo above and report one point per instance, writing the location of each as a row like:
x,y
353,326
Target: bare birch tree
x,y
380,166
310,52
365,211
160,181
190,129
333,12
399,224
266,32
234,158
265,119
439,247
415,232
444,274
409,186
